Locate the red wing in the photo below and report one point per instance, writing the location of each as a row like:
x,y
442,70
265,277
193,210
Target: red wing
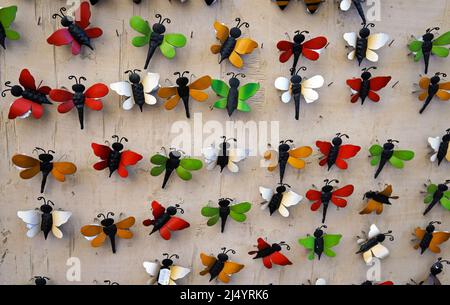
x,y
373,96
345,191
310,54
97,91
313,195
27,80
380,82
66,107
127,158
44,90
355,98
323,161
101,151
316,205
76,47
287,48
354,83
346,152
316,43
285,56
339,202
60,37
83,14
37,110
19,107
280,259
267,263
388,283
174,224
94,32
101,165
157,209
93,104
262,244
324,147
148,222
59,95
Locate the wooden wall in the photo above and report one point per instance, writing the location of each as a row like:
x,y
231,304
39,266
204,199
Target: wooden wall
x,y
89,192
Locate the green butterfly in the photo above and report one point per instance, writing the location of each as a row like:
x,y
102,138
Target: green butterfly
x,y
320,243
437,194
176,161
382,154
234,97
225,209
154,37
428,45
7,16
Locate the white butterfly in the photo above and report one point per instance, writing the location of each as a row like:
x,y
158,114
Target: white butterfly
x,y
165,274
44,219
441,148
374,42
224,156
136,91
376,250
287,198
297,86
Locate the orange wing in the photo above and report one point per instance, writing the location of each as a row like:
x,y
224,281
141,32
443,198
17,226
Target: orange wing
x,y
387,191
372,206
60,169
443,95
424,83
196,88
126,223
31,165
445,86
438,238
167,92
172,102
245,46
91,230
222,32
207,261
99,240
228,269
419,235
271,156
296,154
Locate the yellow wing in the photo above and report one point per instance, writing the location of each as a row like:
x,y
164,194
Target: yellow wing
x,y
222,31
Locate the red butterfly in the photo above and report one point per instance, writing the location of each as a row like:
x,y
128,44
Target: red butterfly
x,y
327,194
81,97
366,86
165,220
336,153
30,98
115,158
309,49
271,253
75,33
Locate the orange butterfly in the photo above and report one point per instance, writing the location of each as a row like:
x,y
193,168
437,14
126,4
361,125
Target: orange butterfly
x,y
220,267
31,166
231,47
183,91
377,200
430,239
97,234
286,155
433,87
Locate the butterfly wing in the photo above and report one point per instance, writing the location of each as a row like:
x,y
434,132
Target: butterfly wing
x,y
311,48
346,152
61,169
59,218
152,268
128,158
32,219
375,152
229,268
279,259
289,199
177,272
297,155
308,242
160,164
315,196
208,262
308,85
172,41
212,213
245,93
342,192
237,211
174,224
287,50
351,39
141,26
60,37
83,15
372,205
266,193
222,32
30,165
7,16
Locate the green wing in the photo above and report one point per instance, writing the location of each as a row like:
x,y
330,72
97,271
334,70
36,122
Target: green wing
x,y
415,46
159,159
375,151
12,35
221,104
447,194
399,156
442,40
213,220
432,188
140,25
440,51
396,162
445,201
184,174
248,90
172,41
237,211
157,170
330,241
210,211
419,56
7,16
308,243
191,164
243,106
220,88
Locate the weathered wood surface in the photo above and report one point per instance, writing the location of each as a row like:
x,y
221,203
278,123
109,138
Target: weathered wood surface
x,y
90,192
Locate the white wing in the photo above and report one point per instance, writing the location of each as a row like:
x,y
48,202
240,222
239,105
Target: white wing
x,y
351,39
177,272
435,143
122,88
150,83
321,282
374,231
152,268
361,241
59,218
266,193
345,5
380,251
313,82
237,154
351,55
211,155
371,55
310,95
368,257
376,41
128,104
290,199
286,97
32,218
282,83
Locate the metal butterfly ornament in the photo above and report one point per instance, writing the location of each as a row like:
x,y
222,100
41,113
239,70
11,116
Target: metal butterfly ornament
x,y
7,17
280,200
320,243
435,194
377,200
166,272
137,90
371,246
165,220
345,5
220,267
440,147
271,254
227,207
430,238
366,86
433,87
224,156
298,86
335,153
381,155
44,219
435,270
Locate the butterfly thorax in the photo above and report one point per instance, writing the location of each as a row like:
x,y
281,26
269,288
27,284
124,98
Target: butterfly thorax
x,y
156,39
426,241
35,96
223,159
224,211
297,48
369,244
427,44
138,93
114,158
275,202
79,98
379,198
173,162
326,195
161,221
46,222
110,230
268,251
443,148
216,268
442,188
387,153
233,98
318,246
46,167
227,47
183,91
2,34
433,89
361,46
332,156
79,34
296,88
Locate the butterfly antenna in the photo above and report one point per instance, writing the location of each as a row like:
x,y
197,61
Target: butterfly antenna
x,y
116,137
232,74
372,25
185,72
7,84
101,215
166,255
123,139
167,20
75,78
177,74
159,16
447,181
81,78
51,152
136,70
302,32
440,260
177,206
61,11
393,141
239,24
322,227
109,213
340,135
229,250
328,181
43,199
242,75
284,184
368,69
433,29
389,234
174,255
441,74
37,149
283,243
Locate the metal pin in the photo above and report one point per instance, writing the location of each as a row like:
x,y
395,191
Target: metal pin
x,y
39,21
117,33
395,84
330,84
327,45
192,34
392,42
